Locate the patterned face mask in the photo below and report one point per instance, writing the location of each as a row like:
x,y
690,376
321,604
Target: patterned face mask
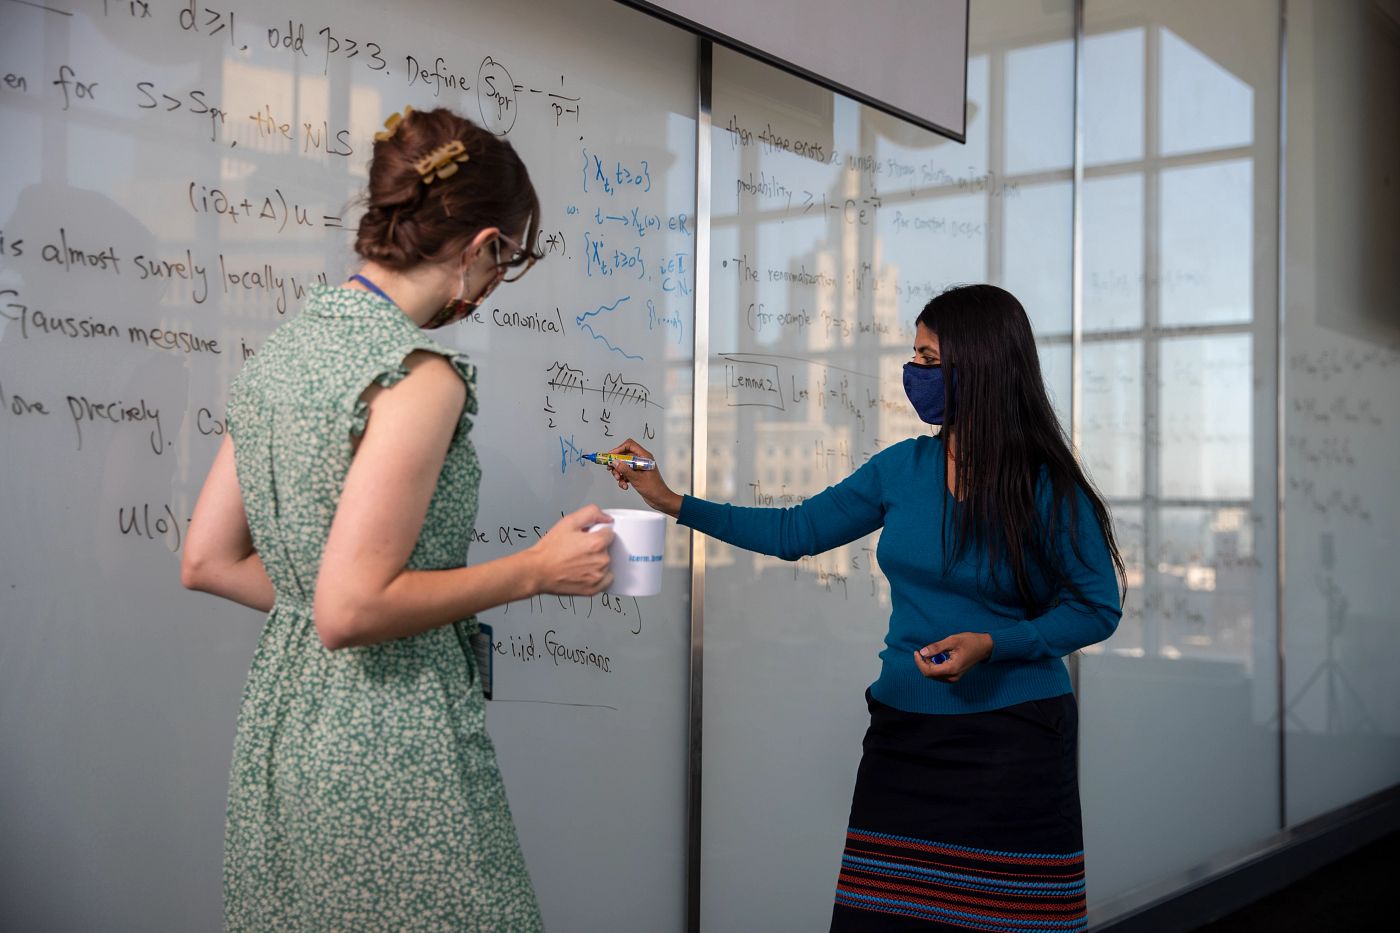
x,y
462,307
459,307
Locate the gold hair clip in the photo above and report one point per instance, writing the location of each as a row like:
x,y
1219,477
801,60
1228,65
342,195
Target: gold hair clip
x,y
441,162
391,125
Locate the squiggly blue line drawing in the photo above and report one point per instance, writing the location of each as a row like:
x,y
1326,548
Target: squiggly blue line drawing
x,y
582,322
607,343
612,307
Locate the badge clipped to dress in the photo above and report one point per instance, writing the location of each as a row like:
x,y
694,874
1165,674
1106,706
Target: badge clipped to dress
x,y
485,657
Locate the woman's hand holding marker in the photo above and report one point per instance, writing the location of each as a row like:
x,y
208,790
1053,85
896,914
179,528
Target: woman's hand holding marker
x,y
959,653
650,485
622,460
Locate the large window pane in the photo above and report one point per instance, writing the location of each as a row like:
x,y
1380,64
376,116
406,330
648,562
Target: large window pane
x,y
1208,249
1202,584
1113,98
1204,105
1038,261
1113,252
1206,390
1113,422
812,310
1179,706
1040,108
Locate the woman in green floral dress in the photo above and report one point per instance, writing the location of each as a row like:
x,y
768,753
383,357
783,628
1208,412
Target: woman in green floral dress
x,y
364,792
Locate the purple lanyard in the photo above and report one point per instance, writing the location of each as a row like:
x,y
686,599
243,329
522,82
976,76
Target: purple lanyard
x,y
372,287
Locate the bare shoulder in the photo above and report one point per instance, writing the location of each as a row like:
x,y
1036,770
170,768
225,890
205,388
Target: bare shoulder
x,y
432,385
435,370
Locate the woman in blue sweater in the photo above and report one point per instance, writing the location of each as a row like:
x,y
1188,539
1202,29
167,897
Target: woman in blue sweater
x,y
1001,560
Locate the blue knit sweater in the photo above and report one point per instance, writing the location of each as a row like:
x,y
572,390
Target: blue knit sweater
x,y
904,490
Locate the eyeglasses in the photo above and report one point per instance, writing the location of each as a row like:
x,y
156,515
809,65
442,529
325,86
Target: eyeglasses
x,y
519,259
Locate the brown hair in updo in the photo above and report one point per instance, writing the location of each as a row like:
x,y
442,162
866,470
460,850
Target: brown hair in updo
x,y
409,222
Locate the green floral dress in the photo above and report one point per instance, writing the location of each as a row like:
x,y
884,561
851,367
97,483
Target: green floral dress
x,y
364,792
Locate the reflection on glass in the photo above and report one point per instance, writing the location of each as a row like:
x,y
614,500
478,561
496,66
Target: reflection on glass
x,y
1170,252
1113,96
1039,116
1038,260
1207,264
1201,586
933,241
937,199
1205,435
1204,106
819,267
1113,252
1113,416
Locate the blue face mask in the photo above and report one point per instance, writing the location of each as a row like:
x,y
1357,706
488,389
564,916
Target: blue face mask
x,y
926,391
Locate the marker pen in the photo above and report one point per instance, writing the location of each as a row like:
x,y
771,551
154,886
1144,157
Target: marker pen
x,y
636,463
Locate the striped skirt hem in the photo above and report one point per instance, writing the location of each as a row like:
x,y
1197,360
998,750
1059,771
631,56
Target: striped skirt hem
x,y
961,886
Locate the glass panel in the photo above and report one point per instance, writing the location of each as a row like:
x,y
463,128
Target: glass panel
x,y
931,242
1343,424
1113,98
938,198
1208,248
1179,707
1039,116
1113,422
1113,252
1202,584
820,297
818,270
1204,105
1038,261
1207,390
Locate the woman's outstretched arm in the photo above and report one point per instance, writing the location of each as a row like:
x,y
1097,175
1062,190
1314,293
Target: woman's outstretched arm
x,y
838,515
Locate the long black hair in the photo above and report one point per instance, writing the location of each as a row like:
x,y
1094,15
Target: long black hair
x,y
1002,432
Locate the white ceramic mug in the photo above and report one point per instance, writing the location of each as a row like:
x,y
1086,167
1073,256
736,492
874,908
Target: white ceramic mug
x,y
637,551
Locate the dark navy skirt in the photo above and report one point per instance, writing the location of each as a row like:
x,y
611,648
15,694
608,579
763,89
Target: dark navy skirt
x,y
966,822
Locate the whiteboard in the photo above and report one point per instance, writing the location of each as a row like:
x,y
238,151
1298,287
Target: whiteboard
x,y
822,257
178,175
